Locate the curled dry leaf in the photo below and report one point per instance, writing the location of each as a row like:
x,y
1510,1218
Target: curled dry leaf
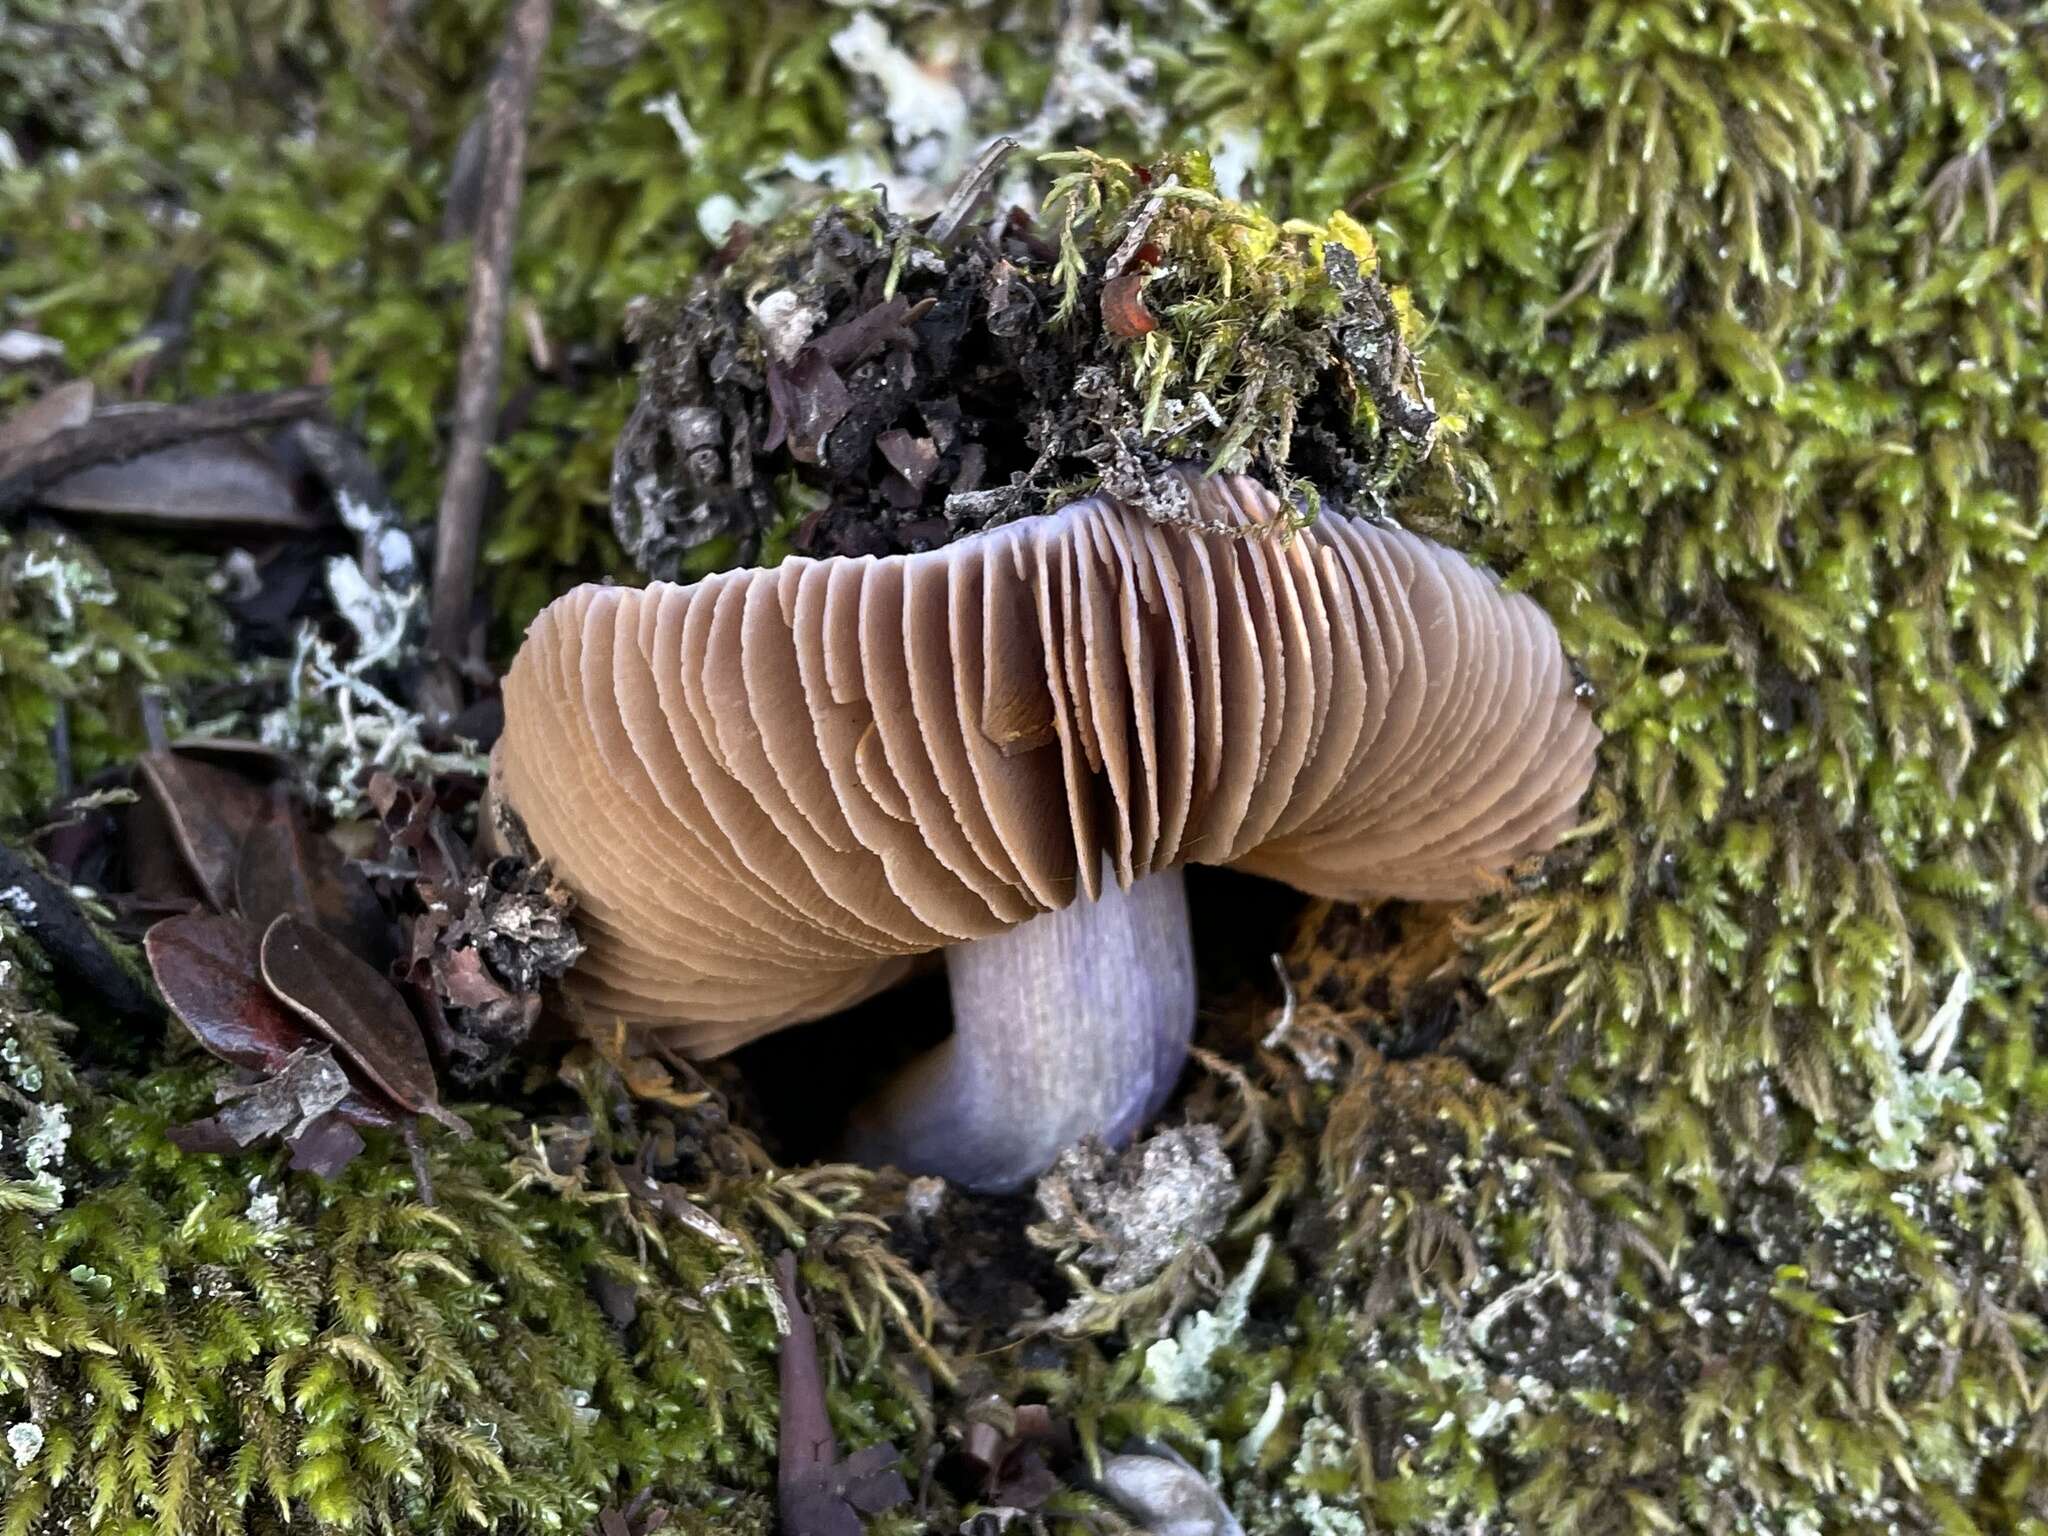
x,y
1123,307
345,1000
208,969
309,1086
65,407
212,482
287,867
126,433
159,875
210,811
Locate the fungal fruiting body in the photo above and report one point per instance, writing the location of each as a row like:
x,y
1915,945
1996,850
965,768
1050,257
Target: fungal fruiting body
x,y
773,787
1080,1017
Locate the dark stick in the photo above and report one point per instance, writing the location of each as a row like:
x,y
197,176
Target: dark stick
x,y
171,329
972,187
127,433
60,749
50,916
816,1493
460,516
806,1446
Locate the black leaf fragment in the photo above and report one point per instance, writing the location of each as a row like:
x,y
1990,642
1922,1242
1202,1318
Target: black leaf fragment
x,y
818,1493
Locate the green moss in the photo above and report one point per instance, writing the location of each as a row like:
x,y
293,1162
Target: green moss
x,y
1749,373
85,628
1248,319
209,1345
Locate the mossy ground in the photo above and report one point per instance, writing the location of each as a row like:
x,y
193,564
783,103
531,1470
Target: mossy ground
x,y
1716,1201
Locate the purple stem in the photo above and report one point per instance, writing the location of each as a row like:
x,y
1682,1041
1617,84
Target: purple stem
x,y
1073,1024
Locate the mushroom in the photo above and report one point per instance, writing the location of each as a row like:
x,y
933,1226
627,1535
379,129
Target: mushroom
x,y
773,788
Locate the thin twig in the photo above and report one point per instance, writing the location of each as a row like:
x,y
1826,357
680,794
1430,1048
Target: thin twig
x,y
961,201
128,432
1127,251
60,748
171,329
457,524
1286,1020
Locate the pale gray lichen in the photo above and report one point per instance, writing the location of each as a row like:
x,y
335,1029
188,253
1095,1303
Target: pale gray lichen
x,y
1130,1214
22,1072
91,1281
25,1440
264,1214
48,1132
337,721
1179,1369
1908,1101
66,582
924,109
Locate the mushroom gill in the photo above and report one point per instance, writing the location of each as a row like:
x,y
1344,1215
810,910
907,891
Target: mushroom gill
x,y
773,787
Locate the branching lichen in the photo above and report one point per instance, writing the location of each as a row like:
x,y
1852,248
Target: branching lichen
x,y
85,629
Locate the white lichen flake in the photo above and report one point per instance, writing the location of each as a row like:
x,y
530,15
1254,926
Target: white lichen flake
x,y
919,102
49,1130
339,721
264,1215
1177,1370
21,1072
25,1440
1908,1101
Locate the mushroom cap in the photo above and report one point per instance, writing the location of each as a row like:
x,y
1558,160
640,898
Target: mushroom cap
x,y
772,788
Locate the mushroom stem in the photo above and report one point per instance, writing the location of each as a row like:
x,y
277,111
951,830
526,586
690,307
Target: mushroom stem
x,y
1073,1024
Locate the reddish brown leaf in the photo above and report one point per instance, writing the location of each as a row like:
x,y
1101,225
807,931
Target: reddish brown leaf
x,y
157,871
210,811
286,867
326,1145
209,971
369,1109
1123,307
345,1000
